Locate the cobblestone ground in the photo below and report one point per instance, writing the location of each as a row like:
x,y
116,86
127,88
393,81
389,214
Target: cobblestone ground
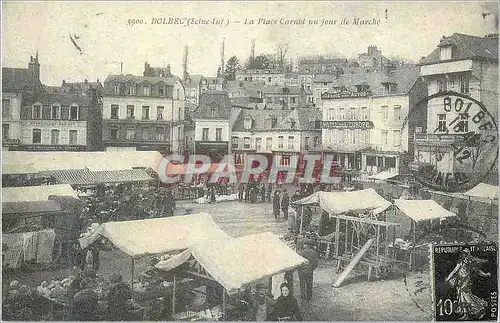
x,y
356,300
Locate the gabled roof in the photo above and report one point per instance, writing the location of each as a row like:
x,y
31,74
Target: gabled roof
x,y
141,79
262,119
64,99
18,79
192,81
213,99
465,47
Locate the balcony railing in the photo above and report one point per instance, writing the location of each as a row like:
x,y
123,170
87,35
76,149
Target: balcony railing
x,y
438,137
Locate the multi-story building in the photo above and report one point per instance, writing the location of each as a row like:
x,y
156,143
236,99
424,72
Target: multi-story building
x,y
279,98
144,113
194,85
216,83
212,130
322,83
374,61
16,83
266,77
467,65
280,135
363,118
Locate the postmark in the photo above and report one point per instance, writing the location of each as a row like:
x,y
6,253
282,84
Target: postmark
x,y
465,282
456,146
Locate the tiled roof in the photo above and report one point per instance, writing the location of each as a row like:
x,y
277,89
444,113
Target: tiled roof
x,y
213,99
64,99
17,79
262,119
171,80
87,177
465,47
193,81
320,78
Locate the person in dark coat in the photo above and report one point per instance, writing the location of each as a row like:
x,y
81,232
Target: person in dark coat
x,y
212,194
241,190
247,191
85,306
253,194
276,204
263,193
295,197
286,307
118,299
169,204
306,272
285,203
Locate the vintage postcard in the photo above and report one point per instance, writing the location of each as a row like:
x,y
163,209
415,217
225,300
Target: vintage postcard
x,y
249,161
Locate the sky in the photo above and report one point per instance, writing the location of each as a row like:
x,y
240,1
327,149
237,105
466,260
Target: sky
x,y
102,32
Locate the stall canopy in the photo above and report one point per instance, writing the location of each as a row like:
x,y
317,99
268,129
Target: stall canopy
x,y
236,262
341,202
160,235
87,177
36,193
30,207
383,175
483,190
422,210
18,169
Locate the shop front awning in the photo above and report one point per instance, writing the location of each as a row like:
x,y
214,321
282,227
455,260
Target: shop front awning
x,y
156,236
423,210
383,175
237,262
87,177
36,193
341,202
483,190
345,148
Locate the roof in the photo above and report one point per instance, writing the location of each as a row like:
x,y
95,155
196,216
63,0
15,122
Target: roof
x,y
115,78
483,190
261,71
64,99
341,202
193,81
465,47
36,193
234,263
213,99
14,169
87,177
262,119
17,79
49,206
422,210
159,235
320,78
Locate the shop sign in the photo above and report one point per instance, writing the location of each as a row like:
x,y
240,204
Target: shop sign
x,y
347,125
345,94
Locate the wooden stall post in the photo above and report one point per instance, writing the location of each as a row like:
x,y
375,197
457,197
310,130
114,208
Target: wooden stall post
x,y
132,275
224,304
173,296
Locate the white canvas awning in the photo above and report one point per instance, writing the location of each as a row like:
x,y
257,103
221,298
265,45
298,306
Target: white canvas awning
x,y
160,235
236,262
383,175
422,210
483,190
341,202
36,193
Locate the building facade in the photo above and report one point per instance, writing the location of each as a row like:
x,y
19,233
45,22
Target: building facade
x,y
144,113
464,65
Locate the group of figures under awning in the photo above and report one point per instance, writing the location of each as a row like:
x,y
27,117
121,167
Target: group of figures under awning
x,y
377,234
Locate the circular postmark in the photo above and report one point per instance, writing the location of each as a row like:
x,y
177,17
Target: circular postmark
x,y
455,141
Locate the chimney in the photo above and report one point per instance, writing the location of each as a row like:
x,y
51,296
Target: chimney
x,y
34,68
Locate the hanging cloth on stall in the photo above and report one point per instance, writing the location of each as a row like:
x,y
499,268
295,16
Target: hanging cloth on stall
x,y
277,280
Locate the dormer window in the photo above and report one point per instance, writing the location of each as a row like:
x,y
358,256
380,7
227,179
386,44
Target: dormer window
x,y
446,52
292,123
116,89
212,112
362,88
131,90
273,121
389,87
248,123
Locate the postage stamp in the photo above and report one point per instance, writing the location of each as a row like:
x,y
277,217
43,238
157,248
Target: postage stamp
x,y
465,282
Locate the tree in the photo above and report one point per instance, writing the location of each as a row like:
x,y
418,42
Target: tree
x,y
232,65
260,62
281,52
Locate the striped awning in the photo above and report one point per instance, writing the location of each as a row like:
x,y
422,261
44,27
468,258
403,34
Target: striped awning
x,y
87,177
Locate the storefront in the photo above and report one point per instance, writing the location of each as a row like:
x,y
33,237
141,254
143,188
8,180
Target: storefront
x,y
216,150
377,161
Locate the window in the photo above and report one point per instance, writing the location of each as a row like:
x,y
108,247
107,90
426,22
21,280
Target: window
x,y
131,90
258,143
342,136
114,111
160,91
159,112
464,83
285,161
114,134
130,112
397,138
73,137
246,143
146,91
37,112
341,113
235,142
178,94
145,113
269,143
442,86
145,134
46,112
56,112
316,141
116,89
385,113
291,140
212,112
306,143
446,52
331,114
353,136
218,134
64,113
442,122
384,137
463,124
397,112
37,136
364,113
293,100
5,108
204,134
73,113
5,131
54,137
352,113
160,134
366,136
130,134
280,142
179,114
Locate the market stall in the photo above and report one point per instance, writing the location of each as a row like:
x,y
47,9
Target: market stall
x,y
36,193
